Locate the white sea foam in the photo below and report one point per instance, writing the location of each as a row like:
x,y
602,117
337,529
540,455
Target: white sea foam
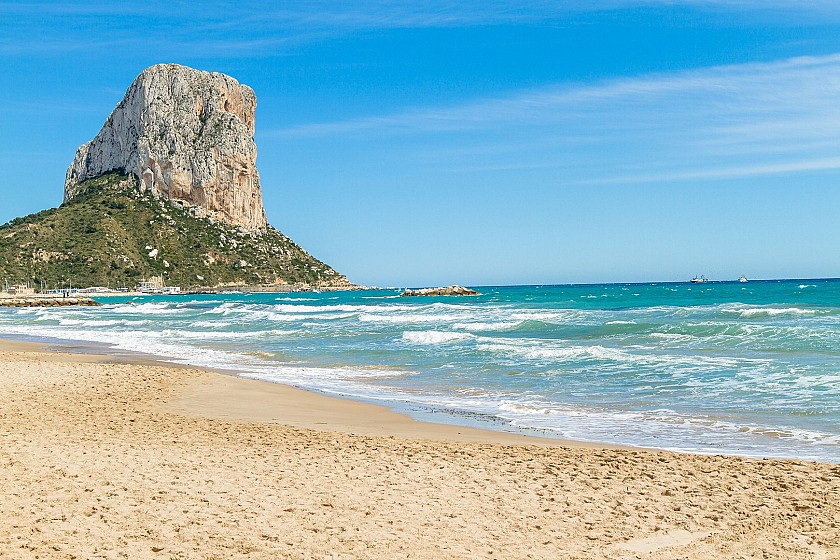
x,y
148,308
498,326
557,317
286,308
211,324
651,424
555,352
434,337
674,337
535,349
211,335
268,314
409,318
773,311
91,322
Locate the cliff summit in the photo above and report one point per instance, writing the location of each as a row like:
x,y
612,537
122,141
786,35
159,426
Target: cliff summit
x,y
187,136
168,189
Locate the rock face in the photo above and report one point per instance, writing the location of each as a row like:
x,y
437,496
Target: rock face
x,y
187,136
446,291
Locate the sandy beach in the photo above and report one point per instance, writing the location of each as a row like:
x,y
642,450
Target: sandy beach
x,y
141,460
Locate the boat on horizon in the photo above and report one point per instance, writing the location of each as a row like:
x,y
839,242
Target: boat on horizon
x,y
742,279
699,280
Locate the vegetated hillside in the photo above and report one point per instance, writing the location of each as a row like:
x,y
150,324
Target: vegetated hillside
x,y
114,235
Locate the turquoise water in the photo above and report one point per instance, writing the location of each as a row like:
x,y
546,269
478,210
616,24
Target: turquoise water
x,y
749,369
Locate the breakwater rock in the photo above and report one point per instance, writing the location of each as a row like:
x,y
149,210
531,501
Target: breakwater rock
x,y
47,302
444,291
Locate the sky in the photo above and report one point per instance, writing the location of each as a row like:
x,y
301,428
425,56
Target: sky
x,y
411,143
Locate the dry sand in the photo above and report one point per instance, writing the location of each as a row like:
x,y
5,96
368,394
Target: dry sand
x,y
134,460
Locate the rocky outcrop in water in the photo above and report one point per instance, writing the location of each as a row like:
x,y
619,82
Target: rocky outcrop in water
x,y
445,291
47,302
187,136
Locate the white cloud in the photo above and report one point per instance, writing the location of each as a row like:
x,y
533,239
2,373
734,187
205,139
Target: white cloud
x,y
724,87
822,164
252,27
718,122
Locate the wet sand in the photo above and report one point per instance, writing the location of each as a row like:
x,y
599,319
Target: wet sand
x,y
141,460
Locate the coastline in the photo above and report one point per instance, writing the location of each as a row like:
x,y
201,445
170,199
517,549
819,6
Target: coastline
x,y
436,361
226,395
105,456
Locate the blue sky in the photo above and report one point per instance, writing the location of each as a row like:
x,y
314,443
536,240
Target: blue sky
x,y
420,143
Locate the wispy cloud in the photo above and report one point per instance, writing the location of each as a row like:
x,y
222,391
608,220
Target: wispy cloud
x,y
252,27
735,172
722,88
726,121
392,13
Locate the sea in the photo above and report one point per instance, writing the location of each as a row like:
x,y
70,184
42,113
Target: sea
x,y
749,369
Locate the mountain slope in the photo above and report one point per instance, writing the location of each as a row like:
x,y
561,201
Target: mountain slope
x,y
113,235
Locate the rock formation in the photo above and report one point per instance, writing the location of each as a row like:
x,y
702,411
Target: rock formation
x,y
445,291
187,136
48,302
115,235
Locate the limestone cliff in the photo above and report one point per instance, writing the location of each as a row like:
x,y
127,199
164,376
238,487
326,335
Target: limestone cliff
x,y
187,136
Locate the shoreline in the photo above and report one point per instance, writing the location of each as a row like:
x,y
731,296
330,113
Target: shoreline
x,y
394,415
227,395
438,363
107,457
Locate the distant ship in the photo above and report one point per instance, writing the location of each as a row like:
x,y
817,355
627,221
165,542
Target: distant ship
x,y
699,280
742,279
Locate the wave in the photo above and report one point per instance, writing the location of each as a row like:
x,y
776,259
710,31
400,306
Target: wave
x,y
92,322
567,366
773,311
541,350
652,424
211,324
578,355
149,308
674,337
497,326
268,313
409,318
552,317
434,337
285,308
213,335
759,336
536,326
